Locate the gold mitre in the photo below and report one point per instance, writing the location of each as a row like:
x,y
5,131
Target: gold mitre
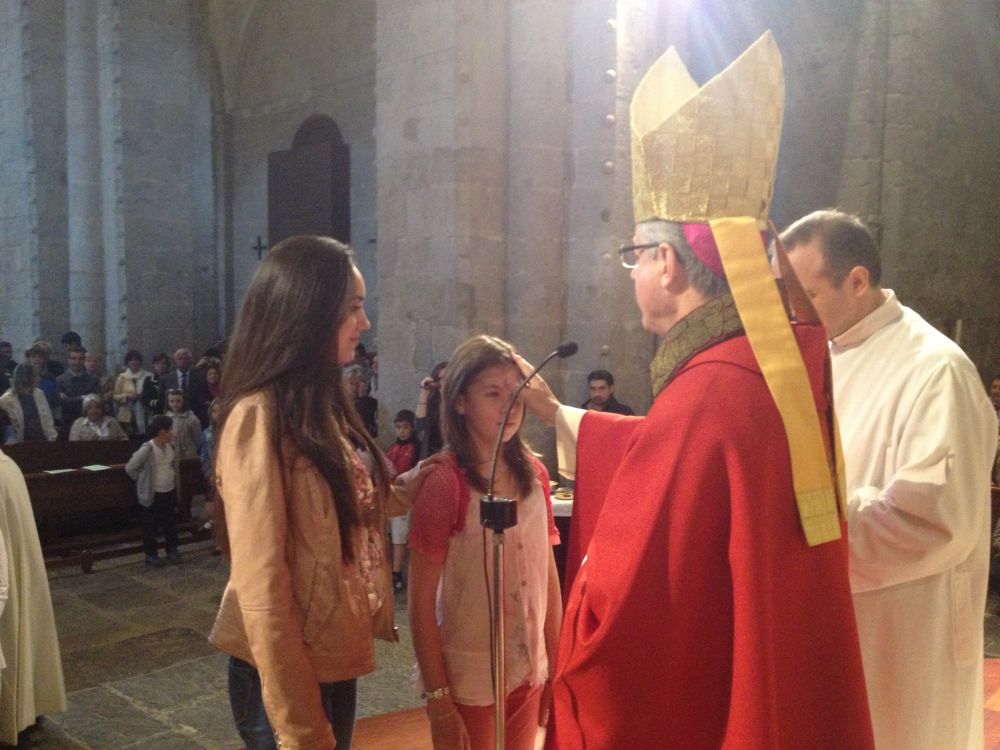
x,y
708,153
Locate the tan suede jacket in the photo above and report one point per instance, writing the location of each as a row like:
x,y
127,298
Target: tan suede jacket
x,y
292,607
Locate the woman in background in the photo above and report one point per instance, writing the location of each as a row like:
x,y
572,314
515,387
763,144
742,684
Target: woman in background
x,y
128,395
95,424
27,408
211,370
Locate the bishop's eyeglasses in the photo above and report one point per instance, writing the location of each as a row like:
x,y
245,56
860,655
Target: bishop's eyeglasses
x,y
629,254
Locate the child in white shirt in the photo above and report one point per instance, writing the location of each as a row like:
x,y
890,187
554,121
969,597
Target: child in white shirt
x,y
154,467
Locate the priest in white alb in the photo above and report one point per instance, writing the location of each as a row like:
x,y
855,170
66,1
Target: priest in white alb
x,y
32,681
919,435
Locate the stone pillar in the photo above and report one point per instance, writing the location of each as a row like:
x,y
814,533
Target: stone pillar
x,y
536,186
111,149
18,243
156,179
47,110
859,189
610,50
83,176
205,82
441,136
32,176
941,170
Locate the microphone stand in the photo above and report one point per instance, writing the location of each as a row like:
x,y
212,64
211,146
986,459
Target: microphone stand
x,y
499,514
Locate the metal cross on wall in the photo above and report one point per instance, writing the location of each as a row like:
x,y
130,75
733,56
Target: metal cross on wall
x,y
260,247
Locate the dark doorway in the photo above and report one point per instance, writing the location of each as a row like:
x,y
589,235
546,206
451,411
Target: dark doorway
x,y
309,185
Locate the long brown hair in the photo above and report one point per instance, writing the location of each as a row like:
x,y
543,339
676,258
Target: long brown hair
x,y
471,358
282,346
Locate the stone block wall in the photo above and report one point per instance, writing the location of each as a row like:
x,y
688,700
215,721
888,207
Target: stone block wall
x,y
161,120
33,179
441,135
890,114
598,291
18,241
490,175
281,64
101,144
941,183
515,236
537,138
47,140
83,174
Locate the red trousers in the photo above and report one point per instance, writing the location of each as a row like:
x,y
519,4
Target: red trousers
x,y
521,726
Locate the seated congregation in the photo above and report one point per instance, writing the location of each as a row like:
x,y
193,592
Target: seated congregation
x,y
74,431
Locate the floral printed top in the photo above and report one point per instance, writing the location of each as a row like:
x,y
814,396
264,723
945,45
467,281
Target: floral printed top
x,y
370,543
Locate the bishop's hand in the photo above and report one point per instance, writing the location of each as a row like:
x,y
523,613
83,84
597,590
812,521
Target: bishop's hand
x,y
538,397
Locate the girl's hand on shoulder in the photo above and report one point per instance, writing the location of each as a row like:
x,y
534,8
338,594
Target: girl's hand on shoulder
x,y
411,480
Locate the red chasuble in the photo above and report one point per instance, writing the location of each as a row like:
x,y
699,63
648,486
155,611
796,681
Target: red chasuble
x,y
700,618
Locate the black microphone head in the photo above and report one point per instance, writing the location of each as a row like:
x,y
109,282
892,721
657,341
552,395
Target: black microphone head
x,y
567,349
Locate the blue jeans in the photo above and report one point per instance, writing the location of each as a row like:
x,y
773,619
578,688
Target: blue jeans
x,y
247,704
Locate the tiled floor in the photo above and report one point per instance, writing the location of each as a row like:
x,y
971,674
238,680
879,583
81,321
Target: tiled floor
x,y
140,673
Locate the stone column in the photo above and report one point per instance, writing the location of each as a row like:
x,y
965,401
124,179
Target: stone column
x,y
441,137
941,170
610,50
83,176
536,187
47,110
536,175
110,135
156,179
18,245
32,177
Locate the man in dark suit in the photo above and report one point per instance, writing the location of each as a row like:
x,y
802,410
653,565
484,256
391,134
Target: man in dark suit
x,y
7,364
185,378
154,394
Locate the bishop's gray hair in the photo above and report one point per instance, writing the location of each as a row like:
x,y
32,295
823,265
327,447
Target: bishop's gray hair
x,y
701,276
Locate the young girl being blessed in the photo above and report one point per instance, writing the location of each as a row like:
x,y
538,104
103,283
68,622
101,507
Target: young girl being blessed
x,y
449,588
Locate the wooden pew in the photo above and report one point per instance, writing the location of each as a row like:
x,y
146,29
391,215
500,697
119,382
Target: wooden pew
x,y
33,458
85,515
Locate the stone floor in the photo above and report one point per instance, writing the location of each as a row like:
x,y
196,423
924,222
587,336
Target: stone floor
x,y
139,672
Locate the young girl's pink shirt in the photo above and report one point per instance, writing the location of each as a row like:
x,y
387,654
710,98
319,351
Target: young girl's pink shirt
x,y
445,527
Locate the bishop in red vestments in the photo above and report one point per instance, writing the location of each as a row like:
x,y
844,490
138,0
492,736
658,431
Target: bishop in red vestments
x,y
701,618
712,606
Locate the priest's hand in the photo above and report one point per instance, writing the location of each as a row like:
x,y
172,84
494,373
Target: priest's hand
x,y
537,396
447,728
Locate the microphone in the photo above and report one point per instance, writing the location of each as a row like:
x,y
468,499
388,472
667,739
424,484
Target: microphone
x,y
565,349
498,521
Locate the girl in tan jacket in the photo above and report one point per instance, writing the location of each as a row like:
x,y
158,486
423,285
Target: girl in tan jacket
x,y
305,495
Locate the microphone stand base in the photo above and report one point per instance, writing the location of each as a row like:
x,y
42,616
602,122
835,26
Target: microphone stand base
x,y
498,514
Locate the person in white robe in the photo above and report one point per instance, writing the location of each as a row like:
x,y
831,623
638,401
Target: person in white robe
x,y
32,684
4,589
918,433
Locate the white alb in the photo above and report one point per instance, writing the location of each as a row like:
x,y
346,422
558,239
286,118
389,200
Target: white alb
x,y
919,434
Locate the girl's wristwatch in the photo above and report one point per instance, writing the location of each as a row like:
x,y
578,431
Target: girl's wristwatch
x,y
435,695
